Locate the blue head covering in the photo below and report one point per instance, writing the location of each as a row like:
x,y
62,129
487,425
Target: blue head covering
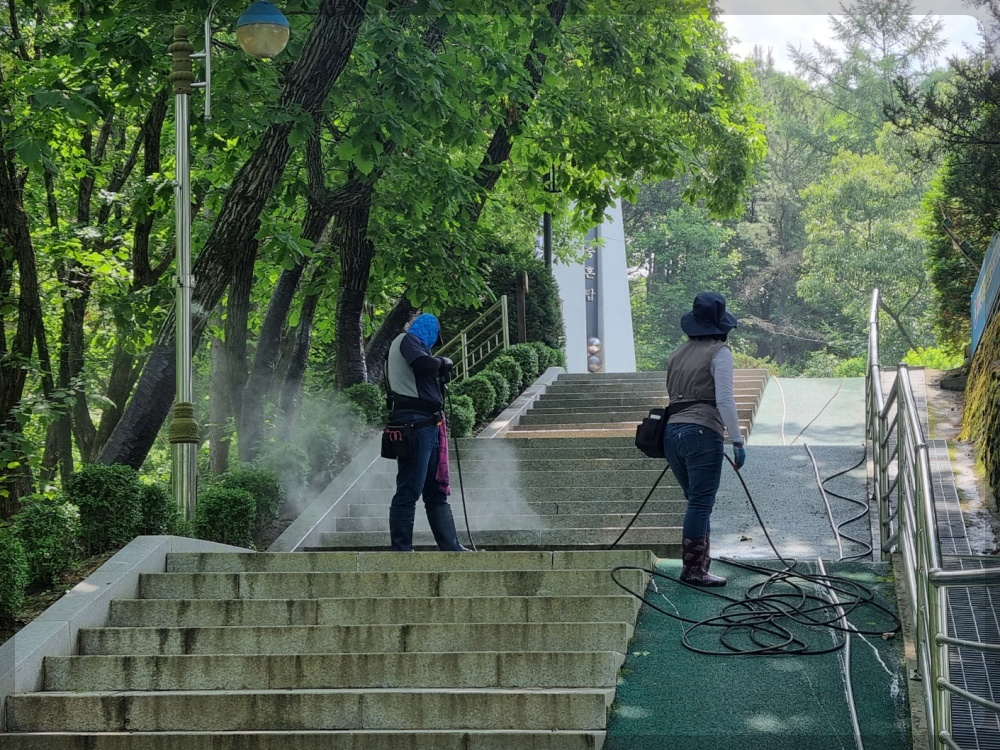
x,y
426,328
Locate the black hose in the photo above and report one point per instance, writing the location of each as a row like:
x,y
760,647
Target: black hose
x,y
767,621
458,463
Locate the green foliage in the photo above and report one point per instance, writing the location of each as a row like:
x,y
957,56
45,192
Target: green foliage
x,y
851,368
527,357
14,574
262,484
500,386
160,514
49,529
370,399
289,461
933,358
226,515
482,393
109,497
510,369
461,416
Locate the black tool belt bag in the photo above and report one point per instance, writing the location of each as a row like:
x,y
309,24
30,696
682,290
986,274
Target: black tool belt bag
x,y
400,440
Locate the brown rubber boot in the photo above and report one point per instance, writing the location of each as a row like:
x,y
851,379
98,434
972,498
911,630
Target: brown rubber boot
x,y
695,561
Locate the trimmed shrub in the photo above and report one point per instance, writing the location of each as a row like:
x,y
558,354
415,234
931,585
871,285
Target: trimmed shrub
x,y
501,386
48,529
109,497
370,400
160,514
545,355
226,515
262,484
510,369
13,574
288,460
526,356
481,391
461,416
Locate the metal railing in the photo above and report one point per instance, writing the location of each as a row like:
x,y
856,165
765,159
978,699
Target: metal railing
x,y
470,349
908,524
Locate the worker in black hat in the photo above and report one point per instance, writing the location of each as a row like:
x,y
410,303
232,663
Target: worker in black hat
x,y
701,410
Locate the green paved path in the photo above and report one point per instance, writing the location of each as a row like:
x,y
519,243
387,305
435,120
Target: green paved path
x,y
670,698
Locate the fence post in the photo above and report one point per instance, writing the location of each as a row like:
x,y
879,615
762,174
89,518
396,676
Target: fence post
x,y
465,355
506,330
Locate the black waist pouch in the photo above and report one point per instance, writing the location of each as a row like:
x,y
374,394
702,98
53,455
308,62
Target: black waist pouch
x,y
649,433
400,440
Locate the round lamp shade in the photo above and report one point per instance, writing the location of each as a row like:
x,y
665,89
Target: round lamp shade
x,y
262,30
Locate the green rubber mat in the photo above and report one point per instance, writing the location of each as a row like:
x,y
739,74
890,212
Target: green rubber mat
x,y
669,698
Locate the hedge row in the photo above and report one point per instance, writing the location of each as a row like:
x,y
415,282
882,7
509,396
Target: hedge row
x,y
104,507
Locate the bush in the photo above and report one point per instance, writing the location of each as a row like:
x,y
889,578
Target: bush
x,y
110,501
160,514
511,370
501,386
226,515
461,416
546,355
289,461
933,358
526,356
482,393
48,530
262,484
851,368
371,401
13,574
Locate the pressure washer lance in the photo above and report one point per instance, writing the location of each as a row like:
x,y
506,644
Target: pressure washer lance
x,y
458,462
762,616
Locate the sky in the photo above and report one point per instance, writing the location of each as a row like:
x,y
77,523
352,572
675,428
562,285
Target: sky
x,y
778,31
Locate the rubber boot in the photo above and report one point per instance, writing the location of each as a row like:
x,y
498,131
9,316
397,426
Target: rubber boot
x,y
401,527
442,524
695,564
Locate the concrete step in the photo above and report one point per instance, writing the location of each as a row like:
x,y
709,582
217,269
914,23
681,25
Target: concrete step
x,y
482,465
555,708
743,372
389,584
357,739
570,441
658,396
533,521
601,416
478,508
666,491
371,562
344,639
744,405
497,450
663,542
642,477
464,669
605,401
187,613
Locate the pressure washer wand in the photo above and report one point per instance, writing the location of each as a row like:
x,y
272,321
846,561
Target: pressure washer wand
x,y
458,462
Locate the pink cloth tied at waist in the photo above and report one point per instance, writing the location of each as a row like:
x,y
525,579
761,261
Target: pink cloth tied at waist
x,y
443,475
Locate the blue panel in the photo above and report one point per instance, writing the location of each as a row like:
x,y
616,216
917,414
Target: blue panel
x,y
984,296
262,12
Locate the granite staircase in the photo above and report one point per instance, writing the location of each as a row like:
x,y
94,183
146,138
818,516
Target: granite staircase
x,y
345,651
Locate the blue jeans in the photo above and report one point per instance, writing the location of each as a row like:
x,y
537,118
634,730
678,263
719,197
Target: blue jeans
x,y
695,456
415,475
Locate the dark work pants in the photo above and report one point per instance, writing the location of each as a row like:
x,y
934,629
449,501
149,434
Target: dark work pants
x,y
695,456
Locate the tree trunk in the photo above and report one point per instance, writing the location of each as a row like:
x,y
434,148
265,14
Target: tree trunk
x,y
231,242
219,412
291,390
235,346
356,254
378,348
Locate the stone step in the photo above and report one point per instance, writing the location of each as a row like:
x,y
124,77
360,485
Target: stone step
x,y
573,395
663,542
388,584
742,372
601,416
343,639
594,430
743,405
481,521
666,491
555,708
567,442
358,739
483,466
361,562
643,477
497,450
187,613
479,508
464,669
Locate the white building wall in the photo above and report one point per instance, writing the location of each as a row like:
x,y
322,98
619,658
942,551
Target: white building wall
x,y
614,313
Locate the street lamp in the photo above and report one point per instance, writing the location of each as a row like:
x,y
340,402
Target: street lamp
x,y
262,32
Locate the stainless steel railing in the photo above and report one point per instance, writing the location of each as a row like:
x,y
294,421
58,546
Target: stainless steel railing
x,y
470,349
908,525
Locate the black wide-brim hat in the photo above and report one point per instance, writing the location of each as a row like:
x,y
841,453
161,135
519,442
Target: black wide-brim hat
x,y
708,316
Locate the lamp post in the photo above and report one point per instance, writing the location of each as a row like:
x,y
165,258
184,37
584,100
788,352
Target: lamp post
x,y
262,32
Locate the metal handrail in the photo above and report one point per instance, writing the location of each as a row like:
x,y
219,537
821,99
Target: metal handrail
x,y
472,347
908,524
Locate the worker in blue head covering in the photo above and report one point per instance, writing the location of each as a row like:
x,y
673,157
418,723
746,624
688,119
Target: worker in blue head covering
x,y
415,385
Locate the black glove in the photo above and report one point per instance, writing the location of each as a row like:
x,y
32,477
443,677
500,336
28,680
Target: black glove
x,y
444,369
